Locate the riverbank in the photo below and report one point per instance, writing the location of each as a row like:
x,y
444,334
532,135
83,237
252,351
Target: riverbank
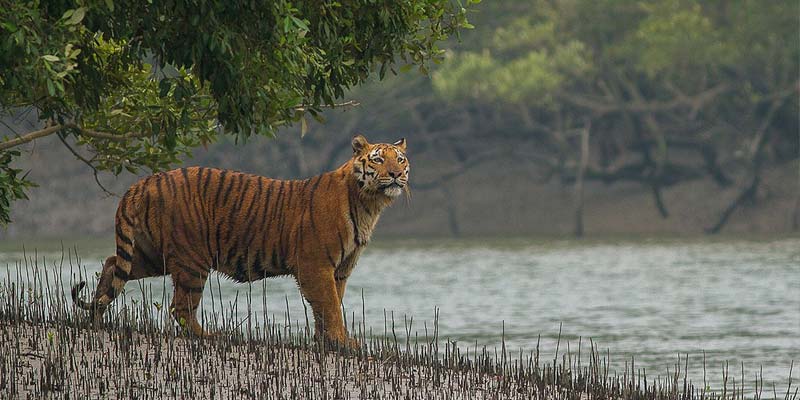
x,y
56,360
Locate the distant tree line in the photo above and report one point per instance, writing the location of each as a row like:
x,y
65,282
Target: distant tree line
x,y
653,92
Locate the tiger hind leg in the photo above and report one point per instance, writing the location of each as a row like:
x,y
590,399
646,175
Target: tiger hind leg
x,y
186,299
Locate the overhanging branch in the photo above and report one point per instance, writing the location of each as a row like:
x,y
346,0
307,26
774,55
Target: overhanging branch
x,y
31,136
350,103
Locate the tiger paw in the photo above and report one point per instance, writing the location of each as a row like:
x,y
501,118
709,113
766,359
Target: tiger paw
x,y
346,345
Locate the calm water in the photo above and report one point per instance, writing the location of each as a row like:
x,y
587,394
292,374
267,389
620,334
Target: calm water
x,y
728,300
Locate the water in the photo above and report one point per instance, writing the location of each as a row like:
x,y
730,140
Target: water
x,y
717,301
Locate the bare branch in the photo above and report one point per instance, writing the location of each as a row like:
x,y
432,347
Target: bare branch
x,y
19,140
30,137
89,163
747,194
350,103
602,106
104,135
480,159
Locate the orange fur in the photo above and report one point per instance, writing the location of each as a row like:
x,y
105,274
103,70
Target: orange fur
x,y
188,221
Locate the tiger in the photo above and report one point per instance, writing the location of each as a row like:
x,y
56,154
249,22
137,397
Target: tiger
x,y
186,222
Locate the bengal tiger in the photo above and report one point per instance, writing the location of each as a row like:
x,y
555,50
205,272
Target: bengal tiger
x,y
188,221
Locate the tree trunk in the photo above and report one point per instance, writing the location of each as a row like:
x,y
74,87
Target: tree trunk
x,y
748,194
584,161
796,216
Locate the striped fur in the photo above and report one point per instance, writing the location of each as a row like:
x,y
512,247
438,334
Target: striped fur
x,y
185,222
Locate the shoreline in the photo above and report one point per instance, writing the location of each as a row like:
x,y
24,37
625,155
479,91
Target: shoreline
x,y
49,351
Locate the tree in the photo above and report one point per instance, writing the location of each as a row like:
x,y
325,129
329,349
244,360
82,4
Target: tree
x,y
128,85
672,90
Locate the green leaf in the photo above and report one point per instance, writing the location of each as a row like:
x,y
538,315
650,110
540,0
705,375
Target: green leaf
x,y
8,26
77,16
51,89
164,86
303,127
50,57
299,23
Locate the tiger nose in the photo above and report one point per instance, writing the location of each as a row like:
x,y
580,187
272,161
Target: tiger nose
x,y
395,174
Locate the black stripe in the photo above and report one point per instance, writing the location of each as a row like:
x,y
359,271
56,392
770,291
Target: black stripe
x,y
242,269
252,219
341,247
187,186
185,173
231,214
218,250
198,211
266,204
230,189
275,210
238,204
278,199
292,189
122,211
311,202
204,212
147,214
242,195
187,197
330,258
276,263
161,215
207,180
265,218
171,183
121,274
220,185
355,225
231,253
123,254
121,235
257,270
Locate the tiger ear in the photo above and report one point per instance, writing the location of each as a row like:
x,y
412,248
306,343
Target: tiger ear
x,y
359,144
401,144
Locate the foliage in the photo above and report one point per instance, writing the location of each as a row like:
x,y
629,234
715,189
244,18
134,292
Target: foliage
x,y
654,80
138,84
11,184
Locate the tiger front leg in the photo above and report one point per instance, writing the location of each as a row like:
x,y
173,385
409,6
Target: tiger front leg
x,y
319,288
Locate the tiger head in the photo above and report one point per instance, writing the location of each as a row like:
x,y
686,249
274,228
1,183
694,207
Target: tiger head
x,y
380,168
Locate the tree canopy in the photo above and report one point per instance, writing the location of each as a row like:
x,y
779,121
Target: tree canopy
x,y
137,84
